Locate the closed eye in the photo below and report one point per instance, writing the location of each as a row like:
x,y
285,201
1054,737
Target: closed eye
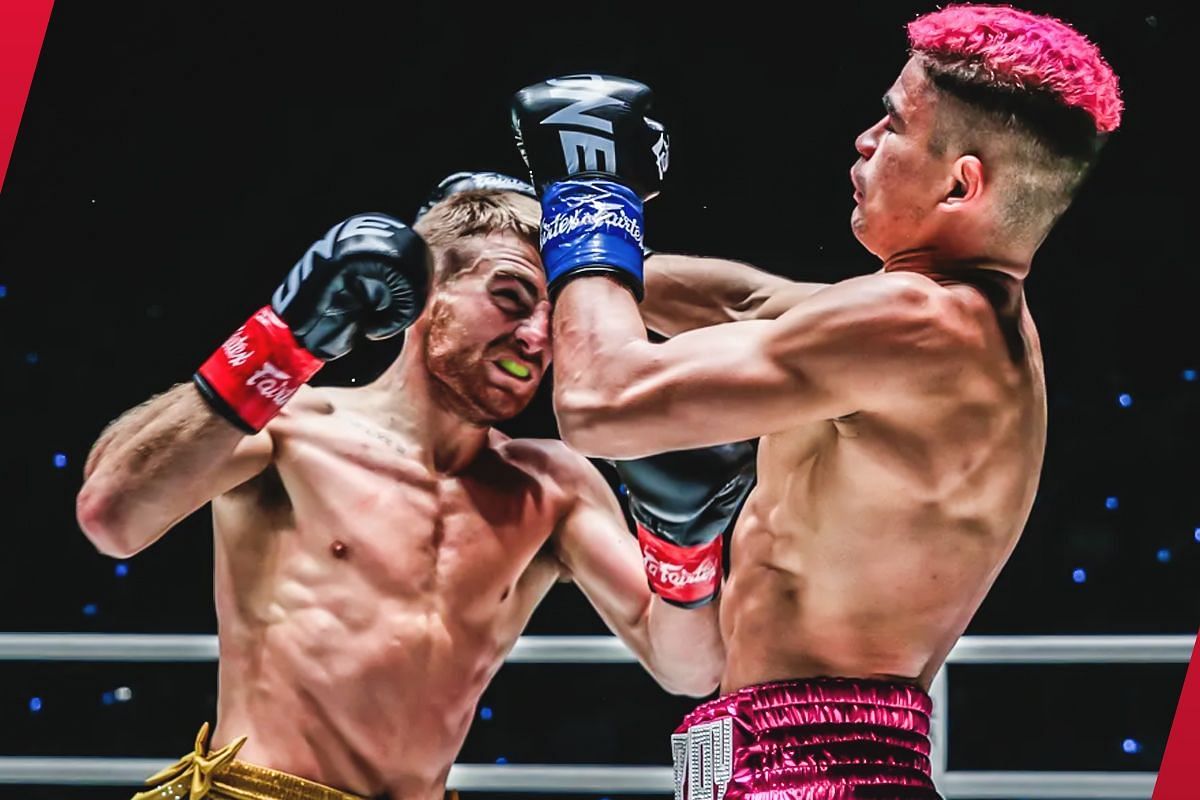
x,y
510,300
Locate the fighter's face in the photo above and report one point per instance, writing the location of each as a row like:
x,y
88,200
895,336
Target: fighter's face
x,y
488,338
898,181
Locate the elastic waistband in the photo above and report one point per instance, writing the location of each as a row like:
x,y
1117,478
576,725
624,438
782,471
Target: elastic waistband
x,y
821,701
268,783
215,774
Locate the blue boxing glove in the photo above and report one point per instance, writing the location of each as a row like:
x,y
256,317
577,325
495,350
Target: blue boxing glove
x,y
592,227
595,157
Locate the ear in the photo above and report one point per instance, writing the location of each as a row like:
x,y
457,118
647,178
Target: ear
x,y
966,181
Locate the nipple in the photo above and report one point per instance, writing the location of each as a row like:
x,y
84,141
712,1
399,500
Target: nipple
x,y
339,549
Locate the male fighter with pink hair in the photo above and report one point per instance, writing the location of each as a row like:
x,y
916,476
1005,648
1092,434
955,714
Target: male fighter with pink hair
x,y
901,415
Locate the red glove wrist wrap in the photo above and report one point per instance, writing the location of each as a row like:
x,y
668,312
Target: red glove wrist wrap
x,y
683,575
259,368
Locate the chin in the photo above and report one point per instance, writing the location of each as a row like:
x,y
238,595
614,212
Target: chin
x,y
493,406
858,226
859,229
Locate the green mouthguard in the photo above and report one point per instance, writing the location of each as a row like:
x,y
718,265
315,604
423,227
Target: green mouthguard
x,y
513,368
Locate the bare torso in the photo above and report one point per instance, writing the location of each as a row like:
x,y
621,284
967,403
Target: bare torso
x,y
870,541
364,601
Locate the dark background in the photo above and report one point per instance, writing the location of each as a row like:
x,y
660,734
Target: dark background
x,y
175,159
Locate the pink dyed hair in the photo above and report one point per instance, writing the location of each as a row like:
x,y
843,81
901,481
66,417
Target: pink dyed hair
x,y
1019,50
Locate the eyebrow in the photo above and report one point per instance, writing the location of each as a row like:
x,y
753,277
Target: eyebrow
x,y
525,282
890,108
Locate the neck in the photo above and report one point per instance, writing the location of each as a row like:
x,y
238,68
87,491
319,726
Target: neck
x,y
939,263
1001,283
413,401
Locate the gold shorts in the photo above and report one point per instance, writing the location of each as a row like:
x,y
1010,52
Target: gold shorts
x,y
217,776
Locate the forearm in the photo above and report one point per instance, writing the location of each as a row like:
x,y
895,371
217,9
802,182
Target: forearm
x,y
687,655
681,648
688,292
600,347
616,395
150,468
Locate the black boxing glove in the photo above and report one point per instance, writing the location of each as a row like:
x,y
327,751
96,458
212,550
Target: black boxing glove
x,y
591,126
595,157
468,181
682,502
369,273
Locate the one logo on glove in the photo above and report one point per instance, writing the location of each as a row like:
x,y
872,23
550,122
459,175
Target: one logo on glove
x,y
272,383
584,151
362,225
591,211
237,348
678,575
662,154
499,182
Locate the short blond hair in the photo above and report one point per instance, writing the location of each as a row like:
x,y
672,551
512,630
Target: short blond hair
x,y
477,212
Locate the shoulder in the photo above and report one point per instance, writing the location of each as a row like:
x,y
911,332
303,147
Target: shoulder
x,y
553,462
884,311
314,400
902,296
549,457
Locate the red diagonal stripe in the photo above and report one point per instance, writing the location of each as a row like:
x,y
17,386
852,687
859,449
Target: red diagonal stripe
x,y
1179,775
22,28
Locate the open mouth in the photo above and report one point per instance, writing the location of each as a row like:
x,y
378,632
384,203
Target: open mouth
x,y
514,368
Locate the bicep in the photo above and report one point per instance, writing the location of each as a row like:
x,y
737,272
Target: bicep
x,y
784,298
721,384
597,551
688,292
708,386
830,355
592,541
249,458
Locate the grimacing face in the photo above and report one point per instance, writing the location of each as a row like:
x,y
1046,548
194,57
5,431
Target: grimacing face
x,y
488,339
898,182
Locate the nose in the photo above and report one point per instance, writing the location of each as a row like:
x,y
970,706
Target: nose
x,y
533,334
868,140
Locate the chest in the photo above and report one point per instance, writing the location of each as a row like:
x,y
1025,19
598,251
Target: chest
x,y
787,460
363,503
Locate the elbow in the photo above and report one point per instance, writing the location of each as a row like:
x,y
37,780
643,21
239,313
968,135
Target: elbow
x,y
590,422
695,680
698,686
602,405
98,515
